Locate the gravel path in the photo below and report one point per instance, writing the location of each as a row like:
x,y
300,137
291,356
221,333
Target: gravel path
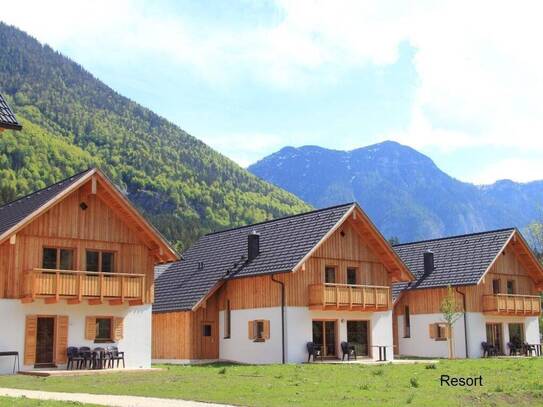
x,y
105,400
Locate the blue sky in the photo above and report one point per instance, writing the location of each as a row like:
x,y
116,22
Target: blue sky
x,y
250,77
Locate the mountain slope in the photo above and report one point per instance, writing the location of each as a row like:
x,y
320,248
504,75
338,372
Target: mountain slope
x,y
71,121
402,190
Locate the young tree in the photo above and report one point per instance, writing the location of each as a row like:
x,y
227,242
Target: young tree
x,y
451,310
535,236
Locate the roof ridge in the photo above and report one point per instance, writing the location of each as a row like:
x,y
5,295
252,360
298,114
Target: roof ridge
x,y
46,187
278,219
456,236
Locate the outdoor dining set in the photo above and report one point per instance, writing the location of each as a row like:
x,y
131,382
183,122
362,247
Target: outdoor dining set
x,y
516,348
97,358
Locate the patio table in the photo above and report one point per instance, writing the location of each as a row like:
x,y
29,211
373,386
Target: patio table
x,y
15,358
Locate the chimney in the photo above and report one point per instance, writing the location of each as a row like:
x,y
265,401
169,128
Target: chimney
x,y
428,262
253,245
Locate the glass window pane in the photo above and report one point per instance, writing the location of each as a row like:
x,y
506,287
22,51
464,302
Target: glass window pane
x,y
510,287
351,276
92,261
260,329
107,262
49,258
496,286
103,328
66,259
330,275
207,330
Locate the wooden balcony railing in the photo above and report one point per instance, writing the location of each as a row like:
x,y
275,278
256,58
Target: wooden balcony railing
x,y
512,304
76,286
349,297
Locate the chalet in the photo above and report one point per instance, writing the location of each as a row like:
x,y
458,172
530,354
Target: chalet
x,y
496,281
260,293
7,118
76,269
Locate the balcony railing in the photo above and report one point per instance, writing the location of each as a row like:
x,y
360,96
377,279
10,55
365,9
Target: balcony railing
x,y
512,304
76,286
349,297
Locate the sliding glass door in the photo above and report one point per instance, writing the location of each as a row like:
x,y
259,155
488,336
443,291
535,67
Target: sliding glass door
x,y
357,335
324,336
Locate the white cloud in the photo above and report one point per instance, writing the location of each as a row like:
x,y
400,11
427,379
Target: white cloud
x,y
479,63
520,170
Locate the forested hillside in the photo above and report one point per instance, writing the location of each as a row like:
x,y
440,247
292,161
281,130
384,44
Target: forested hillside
x,y
72,121
402,190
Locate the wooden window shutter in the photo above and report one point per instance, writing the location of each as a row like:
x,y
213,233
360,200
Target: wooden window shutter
x,y
31,328
433,331
118,323
266,329
447,331
90,328
61,339
252,330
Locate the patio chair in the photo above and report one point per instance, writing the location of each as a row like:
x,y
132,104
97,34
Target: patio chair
x,y
87,358
313,350
73,355
101,358
529,350
348,350
489,349
115,355
514,348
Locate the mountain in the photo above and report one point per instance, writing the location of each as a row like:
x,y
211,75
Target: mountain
x,y
402,190
72,121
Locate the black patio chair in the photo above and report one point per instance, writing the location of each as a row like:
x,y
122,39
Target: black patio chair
x,y
73,357
115,355
514,348
529,350
348,350
87,357
313,350
100,358
489,349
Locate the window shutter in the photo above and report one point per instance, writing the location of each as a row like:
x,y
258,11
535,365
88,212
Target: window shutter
x,y
266,329
251,329
31,328
61,340
433,331
90,328
118,323
447,331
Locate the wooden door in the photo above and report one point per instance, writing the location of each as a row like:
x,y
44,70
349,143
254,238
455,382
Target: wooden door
x,y
45,341
325,337
494,336
210,345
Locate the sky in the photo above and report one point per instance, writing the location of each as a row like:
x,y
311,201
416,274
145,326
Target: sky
x,y
460,81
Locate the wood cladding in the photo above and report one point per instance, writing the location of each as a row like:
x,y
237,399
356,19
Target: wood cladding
x,y
66,225
506,268
180,335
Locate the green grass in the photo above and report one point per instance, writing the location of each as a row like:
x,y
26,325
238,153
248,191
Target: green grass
x,y
505,382
25,402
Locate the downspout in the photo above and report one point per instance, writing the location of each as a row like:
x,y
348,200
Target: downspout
x,y
465,322
282,316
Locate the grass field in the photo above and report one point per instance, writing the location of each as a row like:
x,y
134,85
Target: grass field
x,y
505,382
24,402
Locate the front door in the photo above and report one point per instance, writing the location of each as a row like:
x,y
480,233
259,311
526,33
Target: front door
x,y
357,335
516,334
494,336
45,341
210,349
324,336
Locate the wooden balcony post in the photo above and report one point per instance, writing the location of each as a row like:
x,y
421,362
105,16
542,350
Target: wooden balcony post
x,y
33,285
142,289
363,297
57,285
375,296
337,296
79,286
101,286
122,288
523,305
350,297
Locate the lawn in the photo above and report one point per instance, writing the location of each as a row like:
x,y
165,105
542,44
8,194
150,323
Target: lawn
x,y
505,382
24,402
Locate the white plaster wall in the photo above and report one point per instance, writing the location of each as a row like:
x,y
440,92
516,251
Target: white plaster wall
x,y
136,342
420,344
239,348
299,330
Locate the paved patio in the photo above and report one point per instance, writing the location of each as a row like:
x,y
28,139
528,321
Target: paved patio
x,y
82,372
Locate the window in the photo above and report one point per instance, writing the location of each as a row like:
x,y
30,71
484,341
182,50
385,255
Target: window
x,y
58,259
330,275
103,329
103,262
351,275
206,330
438,331
406,323
496,286
259,330
510,286
227,323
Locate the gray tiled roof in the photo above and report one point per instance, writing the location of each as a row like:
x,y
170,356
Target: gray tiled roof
x,y
14,212
7,118
283,243
458,260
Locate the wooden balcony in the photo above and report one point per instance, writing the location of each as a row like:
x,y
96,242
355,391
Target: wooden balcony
x,y
512,304
76,286
349,297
